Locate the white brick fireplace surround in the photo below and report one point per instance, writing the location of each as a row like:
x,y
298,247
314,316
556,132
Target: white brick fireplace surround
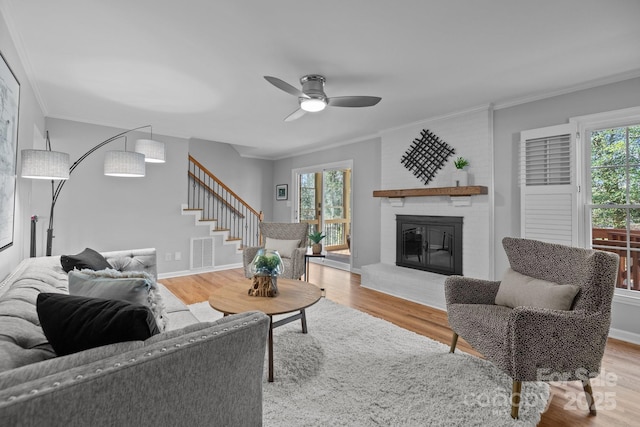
x,y
470,135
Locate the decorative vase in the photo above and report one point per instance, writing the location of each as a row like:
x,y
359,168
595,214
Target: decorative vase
x,y
316,248
459,178
265,267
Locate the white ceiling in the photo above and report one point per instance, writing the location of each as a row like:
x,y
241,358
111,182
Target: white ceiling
x,y
194,68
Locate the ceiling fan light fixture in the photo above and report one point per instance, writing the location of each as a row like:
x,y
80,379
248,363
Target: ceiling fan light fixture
x,y
313,105
313,99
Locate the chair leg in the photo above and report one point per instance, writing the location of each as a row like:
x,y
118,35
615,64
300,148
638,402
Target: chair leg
x,y
454,342
515,399
586,385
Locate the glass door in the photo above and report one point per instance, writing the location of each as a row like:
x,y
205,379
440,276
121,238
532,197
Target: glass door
x,y
336,212
324,202
310,194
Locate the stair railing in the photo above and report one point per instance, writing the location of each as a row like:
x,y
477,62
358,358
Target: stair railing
x,y
218,202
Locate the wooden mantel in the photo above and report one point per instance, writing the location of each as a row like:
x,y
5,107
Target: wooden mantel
x,y
437,191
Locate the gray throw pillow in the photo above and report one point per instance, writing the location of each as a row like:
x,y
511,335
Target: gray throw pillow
x,y
519,290
134,289
133,286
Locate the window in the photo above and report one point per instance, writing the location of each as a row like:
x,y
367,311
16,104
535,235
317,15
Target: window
x,y
335,213
585,191
334,194
615,197
323,195
307,197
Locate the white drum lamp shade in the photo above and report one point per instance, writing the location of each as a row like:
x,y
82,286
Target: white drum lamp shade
x,y
153,150
44,164
124,163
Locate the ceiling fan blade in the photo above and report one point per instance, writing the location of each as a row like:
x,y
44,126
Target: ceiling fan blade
x,y
282,85
354,101
295,115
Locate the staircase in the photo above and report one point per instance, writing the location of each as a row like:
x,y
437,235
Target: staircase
x,y
233,224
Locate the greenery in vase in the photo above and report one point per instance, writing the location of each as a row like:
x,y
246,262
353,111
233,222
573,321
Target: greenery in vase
x,y
316,237
267,263
461,162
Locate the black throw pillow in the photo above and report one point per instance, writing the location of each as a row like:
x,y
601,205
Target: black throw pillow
x,y
72,323
86,259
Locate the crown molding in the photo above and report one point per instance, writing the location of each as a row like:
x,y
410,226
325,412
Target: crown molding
x,y
570,89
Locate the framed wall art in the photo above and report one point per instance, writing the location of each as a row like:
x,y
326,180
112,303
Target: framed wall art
x,y
282,192
9,109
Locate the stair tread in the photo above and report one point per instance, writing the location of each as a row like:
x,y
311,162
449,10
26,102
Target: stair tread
x,y
207,219
234,239
192,209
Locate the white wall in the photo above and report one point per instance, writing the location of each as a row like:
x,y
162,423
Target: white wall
x,y
470,135
365,211
30,119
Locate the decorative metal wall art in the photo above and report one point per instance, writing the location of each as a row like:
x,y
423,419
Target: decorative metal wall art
x,y
426,156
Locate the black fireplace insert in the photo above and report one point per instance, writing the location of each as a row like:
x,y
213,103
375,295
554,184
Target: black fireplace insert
x,y
430,243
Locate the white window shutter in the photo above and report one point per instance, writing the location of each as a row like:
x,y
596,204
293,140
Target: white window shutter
x,y
548,185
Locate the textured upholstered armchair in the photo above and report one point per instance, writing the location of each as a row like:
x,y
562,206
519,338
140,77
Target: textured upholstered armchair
x,y
289,239
531,343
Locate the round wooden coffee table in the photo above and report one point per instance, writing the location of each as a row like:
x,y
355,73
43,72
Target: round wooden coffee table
x,y
293,295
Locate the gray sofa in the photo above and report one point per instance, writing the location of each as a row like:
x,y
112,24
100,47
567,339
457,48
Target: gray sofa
x,y
191,374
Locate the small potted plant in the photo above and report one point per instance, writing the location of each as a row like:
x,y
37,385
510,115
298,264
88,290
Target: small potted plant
x,y
460,177
316,238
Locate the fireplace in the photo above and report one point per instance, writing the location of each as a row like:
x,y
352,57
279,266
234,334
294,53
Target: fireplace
x,y
430,243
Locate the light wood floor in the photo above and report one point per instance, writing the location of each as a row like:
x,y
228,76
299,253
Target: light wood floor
x,y
617,390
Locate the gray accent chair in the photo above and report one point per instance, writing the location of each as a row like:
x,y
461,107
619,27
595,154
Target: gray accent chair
x,y
294,267
539,344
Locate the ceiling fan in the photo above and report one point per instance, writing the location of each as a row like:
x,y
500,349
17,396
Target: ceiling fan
x,y
312,97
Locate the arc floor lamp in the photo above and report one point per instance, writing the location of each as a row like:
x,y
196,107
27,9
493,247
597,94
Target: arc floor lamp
x,y
54,165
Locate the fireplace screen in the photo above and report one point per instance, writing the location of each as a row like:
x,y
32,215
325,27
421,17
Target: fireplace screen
x,y
431,243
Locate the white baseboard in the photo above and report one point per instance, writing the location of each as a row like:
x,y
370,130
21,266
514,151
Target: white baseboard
x,y
404,297
619,334
174,274
204,270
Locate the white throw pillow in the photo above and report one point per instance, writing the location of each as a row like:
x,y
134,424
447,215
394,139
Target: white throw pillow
x,y
284,247
519,290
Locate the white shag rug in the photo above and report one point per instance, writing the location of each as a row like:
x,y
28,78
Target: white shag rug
x,y
353,369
